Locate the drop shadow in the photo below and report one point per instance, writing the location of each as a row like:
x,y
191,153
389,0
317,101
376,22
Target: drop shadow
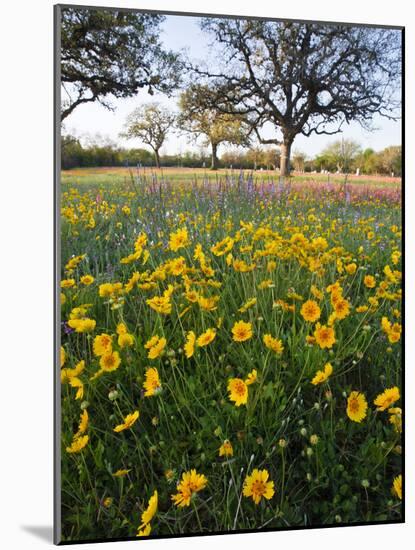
x,y
43,532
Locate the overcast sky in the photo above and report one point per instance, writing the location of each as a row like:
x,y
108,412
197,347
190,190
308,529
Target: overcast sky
x,y
179,33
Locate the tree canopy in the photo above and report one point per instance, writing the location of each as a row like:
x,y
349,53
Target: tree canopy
x,y
203,118
150,123
112,53
302,78
340,154
390,160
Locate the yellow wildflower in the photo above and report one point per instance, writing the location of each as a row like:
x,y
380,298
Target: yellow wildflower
x,y
325,336
257,486
179,239
125,340
78,444
102,344
274,344
397,486
155,346
152,383
226,448
129,420
189,347
150,511
87,280
387,398
110,361
206,337
356,406
310,311
322,375
238,391
242,331
251,378
191,483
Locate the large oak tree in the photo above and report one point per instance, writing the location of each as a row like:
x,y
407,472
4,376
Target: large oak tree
x,y
115,53
302,78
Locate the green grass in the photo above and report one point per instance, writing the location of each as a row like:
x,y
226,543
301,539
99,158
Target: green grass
x,y
118,176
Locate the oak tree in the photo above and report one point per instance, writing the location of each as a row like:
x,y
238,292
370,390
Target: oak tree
x,y
114,53
201,117
302,78
150,123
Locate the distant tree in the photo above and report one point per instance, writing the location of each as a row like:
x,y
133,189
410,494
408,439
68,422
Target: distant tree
x,y
341,154
325,162
193,159
233,158
301,78
390,160
134,157
299,159
208,121
271,158
112,53
150,123
255,157
310,165
366,161
71,152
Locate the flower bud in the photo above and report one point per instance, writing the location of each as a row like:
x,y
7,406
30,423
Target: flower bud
x,y
314,439
113,395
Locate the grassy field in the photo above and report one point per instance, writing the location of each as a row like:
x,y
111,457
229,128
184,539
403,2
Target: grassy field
x,y
230,327
118,175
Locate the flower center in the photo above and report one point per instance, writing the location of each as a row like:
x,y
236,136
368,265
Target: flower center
x,y
354,405
258,488
240,388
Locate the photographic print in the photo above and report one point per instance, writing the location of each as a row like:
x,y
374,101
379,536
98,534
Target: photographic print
x,y
229,274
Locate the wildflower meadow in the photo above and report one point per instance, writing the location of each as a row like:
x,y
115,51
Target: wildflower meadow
x,y
230,354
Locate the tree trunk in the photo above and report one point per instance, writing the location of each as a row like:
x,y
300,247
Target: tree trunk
x,y
285,151
214,164
156,154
